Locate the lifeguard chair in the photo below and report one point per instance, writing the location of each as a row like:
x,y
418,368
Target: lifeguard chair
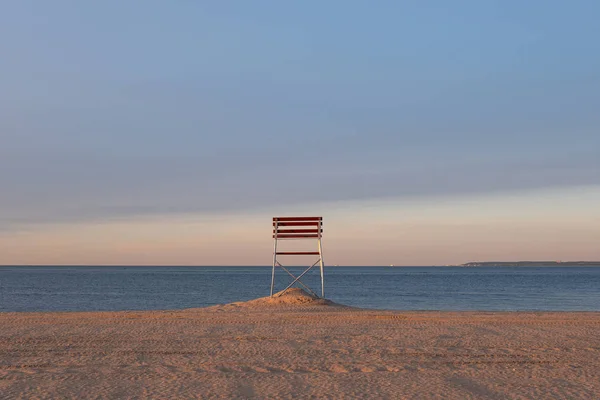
x,y
298,228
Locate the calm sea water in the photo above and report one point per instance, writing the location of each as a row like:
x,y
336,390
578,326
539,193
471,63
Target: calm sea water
x,y
400,288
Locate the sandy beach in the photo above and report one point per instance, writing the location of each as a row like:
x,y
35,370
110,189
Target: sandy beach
x,y
296,347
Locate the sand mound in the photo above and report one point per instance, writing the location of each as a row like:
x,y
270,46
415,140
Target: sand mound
x,y
291,297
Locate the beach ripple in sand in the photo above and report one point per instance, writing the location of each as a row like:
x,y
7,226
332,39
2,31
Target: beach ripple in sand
x,y
298,346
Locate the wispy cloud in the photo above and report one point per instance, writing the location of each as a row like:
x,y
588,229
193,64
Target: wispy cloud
x,y
240,111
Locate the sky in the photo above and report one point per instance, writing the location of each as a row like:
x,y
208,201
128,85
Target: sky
x,y
424,132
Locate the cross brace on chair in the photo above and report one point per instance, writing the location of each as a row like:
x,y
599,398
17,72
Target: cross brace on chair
x,y
281,230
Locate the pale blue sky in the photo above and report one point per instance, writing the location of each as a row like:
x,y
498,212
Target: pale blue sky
x,y
120,110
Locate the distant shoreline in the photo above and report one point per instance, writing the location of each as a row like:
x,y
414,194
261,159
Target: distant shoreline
x,y
530,264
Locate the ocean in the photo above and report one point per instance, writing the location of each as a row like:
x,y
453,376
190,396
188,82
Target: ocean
x,y
66,288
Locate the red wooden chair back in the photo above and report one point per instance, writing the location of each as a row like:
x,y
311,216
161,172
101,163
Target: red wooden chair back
x,y
297,227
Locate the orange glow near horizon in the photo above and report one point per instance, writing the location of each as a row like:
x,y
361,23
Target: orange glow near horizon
x,y
543,225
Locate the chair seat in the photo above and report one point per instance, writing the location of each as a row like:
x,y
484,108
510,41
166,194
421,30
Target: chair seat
x,y
298,253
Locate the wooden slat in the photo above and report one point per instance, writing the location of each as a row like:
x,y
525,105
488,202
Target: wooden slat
x,y
280,231
315,223
297,253
297,236
287,219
